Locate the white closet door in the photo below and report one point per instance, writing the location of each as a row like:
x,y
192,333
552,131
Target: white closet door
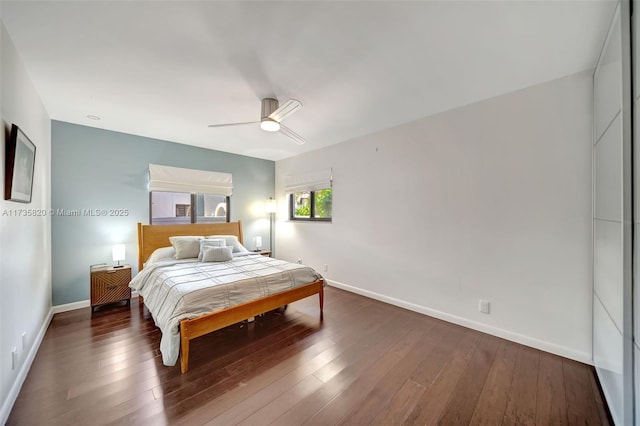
x,y
612,202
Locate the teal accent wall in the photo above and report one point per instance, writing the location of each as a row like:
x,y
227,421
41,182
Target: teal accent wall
x,y
94,169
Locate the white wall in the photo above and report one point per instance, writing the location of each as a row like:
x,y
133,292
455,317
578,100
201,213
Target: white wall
x,y
25,242
491,200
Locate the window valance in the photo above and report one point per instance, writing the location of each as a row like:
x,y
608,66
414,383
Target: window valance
x,y
309,181
177,179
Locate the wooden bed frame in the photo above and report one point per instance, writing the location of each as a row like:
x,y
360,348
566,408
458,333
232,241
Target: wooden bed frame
x,y
151,237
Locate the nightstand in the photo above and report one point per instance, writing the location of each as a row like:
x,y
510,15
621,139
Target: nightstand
x,y
110,285
264,252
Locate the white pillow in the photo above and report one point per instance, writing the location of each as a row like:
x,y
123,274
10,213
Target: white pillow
x,y
217,254
210,242
161,253
186,246
232,241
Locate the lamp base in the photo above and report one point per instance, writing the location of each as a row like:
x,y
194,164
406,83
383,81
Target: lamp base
x,y
118,266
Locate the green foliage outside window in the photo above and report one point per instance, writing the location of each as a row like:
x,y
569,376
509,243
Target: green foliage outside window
x,y
303,211
324,202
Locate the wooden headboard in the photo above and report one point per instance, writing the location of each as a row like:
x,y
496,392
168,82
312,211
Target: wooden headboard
x,y
151,237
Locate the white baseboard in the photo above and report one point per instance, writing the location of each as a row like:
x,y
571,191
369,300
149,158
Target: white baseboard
x,y
79,305
494,331
71,306
24,370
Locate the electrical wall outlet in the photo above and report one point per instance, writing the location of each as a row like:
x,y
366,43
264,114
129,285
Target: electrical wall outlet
x,y
484,306
325,267
24,341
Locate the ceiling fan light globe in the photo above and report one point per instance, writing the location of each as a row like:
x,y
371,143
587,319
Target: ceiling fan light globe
x,y
269,125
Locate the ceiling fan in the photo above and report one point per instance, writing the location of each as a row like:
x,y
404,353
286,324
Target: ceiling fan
x,y
272,116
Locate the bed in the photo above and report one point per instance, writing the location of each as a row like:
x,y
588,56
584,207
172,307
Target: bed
x,y
196,322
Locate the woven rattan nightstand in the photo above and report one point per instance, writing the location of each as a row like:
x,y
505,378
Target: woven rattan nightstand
x,y
110,285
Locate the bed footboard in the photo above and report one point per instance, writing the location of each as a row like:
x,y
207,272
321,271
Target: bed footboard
x,y
196,327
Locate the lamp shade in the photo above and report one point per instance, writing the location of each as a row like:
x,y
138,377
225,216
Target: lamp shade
x,y
118,252
258,242
270,205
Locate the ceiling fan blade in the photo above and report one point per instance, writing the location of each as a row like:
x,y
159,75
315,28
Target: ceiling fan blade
x,y
286,109
292,135
233,124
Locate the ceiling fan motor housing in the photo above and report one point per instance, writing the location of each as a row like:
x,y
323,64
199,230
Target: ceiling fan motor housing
x,y
269,124
268,106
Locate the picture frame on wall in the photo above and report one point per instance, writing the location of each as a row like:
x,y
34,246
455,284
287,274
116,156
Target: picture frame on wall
x,y
20,165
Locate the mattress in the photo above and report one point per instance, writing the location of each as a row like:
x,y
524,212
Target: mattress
x,y
175,290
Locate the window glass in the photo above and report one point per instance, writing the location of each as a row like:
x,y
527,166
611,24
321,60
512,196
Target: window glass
x,y
323,202
302,204
211,208
170,208
312,205
182,207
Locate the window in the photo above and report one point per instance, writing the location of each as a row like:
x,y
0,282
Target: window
x,y
176,208
310,195
178,195
311,205
183,210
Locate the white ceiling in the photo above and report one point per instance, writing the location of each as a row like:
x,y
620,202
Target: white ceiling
x,y
167,69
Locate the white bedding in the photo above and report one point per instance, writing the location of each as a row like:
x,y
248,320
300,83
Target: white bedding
x,y
174,290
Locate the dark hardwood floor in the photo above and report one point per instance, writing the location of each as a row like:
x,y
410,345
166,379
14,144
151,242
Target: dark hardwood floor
x,y
366,363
